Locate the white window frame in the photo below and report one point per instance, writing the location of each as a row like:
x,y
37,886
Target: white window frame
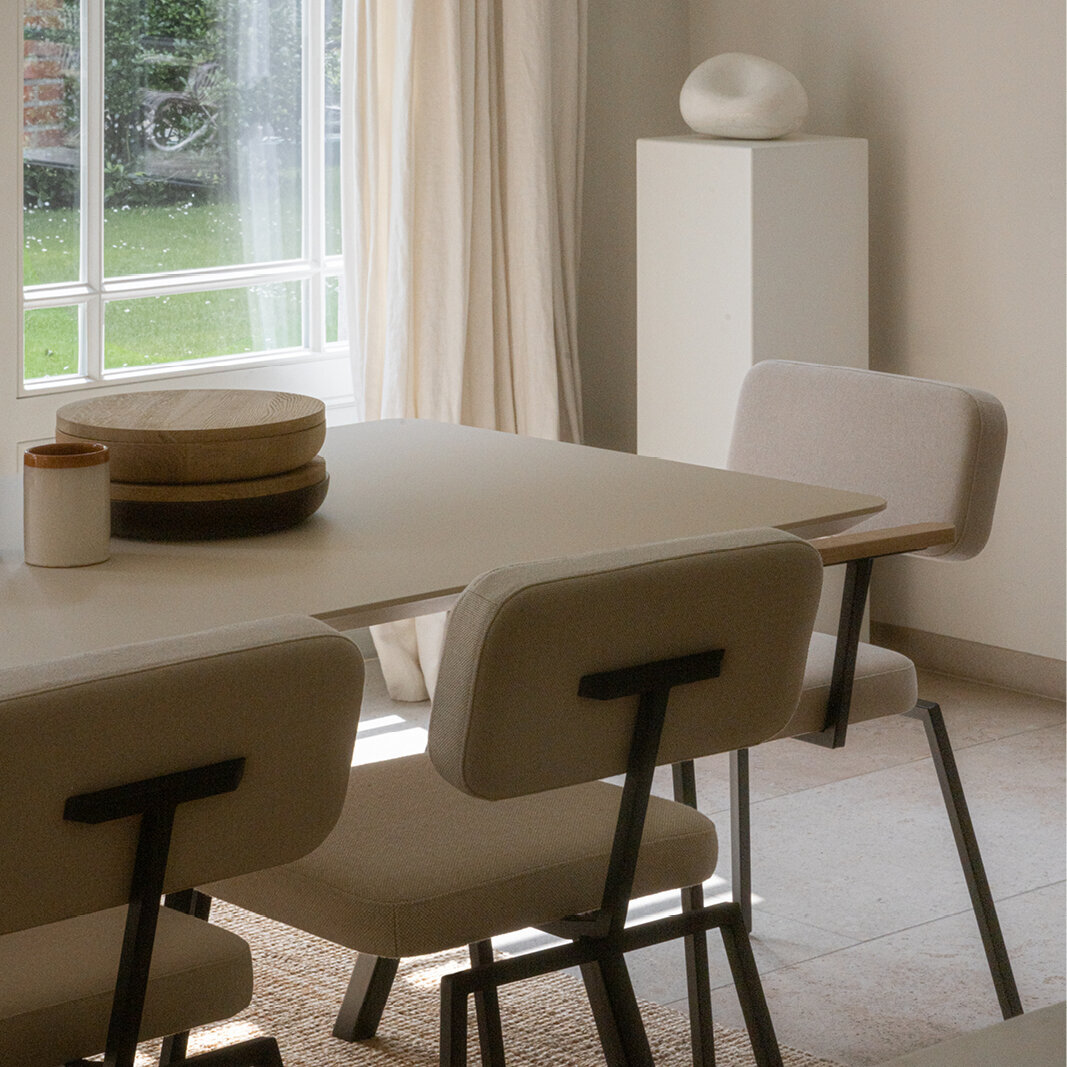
x,y
27,411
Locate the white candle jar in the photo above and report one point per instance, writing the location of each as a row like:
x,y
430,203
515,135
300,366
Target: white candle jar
x,y
66,505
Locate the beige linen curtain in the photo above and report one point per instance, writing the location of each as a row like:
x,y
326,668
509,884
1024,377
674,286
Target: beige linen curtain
x,y
461,147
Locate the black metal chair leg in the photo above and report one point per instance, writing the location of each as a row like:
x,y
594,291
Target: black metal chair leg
x,y
749,989
368,990
970,857
697,969
741,835
698,983
487,1006
174,1049
615,1011
453,1050
191,902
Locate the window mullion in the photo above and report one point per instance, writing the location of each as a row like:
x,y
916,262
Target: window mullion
x,y
92,186
313,128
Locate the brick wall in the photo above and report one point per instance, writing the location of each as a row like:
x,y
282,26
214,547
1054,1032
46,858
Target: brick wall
x,y
44,62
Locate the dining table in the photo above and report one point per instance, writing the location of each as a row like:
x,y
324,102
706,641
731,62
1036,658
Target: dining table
x,y
414,511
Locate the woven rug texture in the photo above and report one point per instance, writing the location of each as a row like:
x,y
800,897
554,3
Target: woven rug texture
x,y
300,981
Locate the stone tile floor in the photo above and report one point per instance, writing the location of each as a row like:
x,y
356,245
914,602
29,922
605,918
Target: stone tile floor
x,y
862,925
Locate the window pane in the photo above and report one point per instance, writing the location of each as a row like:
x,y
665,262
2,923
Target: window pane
x,y
167,329
50,345
50,153
333,310
50,238
200,136
180,236
202,117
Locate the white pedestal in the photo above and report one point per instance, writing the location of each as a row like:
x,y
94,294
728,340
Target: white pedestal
x,y
746,250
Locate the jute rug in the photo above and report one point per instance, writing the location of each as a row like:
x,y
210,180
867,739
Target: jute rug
x,y
300,981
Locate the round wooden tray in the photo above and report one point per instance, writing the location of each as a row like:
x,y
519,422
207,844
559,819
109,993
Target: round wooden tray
x,y
176,436
217,509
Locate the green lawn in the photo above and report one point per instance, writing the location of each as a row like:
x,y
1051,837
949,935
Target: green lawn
x,y
191,234
195,233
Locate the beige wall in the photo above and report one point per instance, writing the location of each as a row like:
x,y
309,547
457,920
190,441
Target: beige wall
x,y
638,59
963,107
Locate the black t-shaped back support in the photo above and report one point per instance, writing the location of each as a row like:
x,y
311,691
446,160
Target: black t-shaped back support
x,y
156,800
653,682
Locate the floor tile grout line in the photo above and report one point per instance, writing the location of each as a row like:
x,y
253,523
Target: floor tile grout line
x,y
957,747
860,942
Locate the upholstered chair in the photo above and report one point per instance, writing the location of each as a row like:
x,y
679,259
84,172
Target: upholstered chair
x,y
556,675
934,451
145,770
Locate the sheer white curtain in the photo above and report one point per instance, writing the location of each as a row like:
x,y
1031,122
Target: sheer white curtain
x,y
462,132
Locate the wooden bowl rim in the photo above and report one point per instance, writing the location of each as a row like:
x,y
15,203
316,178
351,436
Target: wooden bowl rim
x,y
75,419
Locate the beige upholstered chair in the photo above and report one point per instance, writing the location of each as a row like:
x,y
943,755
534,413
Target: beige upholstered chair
x,y
143,770
554,675
934,452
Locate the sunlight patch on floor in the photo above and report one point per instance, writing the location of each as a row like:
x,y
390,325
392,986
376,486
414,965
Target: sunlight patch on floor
x,y
387,737
642,910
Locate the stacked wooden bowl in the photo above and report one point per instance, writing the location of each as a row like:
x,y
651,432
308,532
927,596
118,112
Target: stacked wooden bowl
x,y
196,464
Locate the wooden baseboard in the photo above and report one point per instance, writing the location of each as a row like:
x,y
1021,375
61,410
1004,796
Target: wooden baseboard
x,y
1021,671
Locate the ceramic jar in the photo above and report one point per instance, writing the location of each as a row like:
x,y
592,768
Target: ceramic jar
x,y
66,505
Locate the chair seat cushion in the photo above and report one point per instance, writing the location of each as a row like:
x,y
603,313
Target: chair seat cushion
x,y
885,685
57,981
416,866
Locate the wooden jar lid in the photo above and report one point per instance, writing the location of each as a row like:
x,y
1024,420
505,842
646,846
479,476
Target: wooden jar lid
x,y
198,435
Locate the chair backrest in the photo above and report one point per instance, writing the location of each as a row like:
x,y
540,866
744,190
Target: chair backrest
x,y
507,719
282,693
933,450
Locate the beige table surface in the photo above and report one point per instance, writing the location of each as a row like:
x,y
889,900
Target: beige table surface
x,y
415,510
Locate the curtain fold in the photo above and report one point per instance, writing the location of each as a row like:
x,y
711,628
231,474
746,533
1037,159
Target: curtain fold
x,y
461,169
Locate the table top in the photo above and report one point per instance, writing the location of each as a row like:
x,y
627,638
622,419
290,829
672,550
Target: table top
x,y
415,510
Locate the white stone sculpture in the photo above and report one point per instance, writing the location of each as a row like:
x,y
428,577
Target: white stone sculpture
x,y
738,95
